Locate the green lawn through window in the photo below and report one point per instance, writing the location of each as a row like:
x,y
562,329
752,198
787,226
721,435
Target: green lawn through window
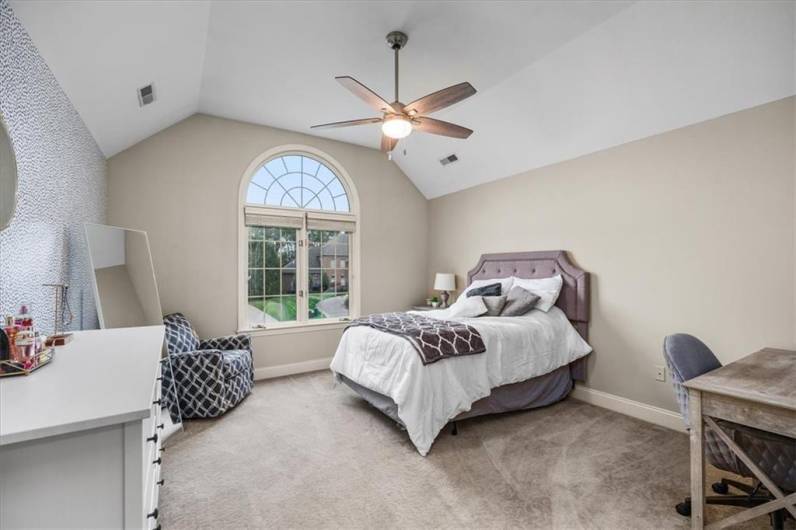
x,y
283,308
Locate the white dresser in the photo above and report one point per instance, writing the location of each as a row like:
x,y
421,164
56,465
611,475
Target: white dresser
x,y
80,438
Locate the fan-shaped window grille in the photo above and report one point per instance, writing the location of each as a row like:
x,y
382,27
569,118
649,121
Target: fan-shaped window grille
x,y
298,181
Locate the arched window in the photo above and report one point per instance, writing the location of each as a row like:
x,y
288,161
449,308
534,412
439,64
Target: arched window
x,y
298,233
298,181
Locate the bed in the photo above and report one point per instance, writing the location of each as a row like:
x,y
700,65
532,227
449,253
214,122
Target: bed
x,y
530,361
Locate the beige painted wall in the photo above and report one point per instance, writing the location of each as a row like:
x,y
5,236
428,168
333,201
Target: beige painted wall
x,y
181,186
691,231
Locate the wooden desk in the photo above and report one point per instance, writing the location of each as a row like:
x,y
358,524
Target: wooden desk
x,y
759,391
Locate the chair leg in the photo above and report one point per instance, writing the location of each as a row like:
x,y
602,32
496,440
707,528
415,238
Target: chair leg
x,y
778,520
746,488
744,501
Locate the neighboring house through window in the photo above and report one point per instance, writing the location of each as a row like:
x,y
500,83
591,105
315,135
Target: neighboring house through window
x,y
298,233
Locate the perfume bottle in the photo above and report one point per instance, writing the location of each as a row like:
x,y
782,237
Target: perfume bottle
x,y
26,349
10,330
24,320
5,347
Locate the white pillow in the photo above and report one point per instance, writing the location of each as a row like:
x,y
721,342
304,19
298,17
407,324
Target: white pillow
x,y
468,308
505,286
548,289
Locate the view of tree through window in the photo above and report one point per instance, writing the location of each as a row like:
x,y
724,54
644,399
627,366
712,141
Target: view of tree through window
x,y
328,254
272,273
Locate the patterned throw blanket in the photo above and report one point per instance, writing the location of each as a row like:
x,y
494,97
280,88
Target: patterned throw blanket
x,y
434,339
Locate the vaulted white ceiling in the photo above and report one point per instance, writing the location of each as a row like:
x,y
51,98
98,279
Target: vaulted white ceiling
x,y
555,80
102,52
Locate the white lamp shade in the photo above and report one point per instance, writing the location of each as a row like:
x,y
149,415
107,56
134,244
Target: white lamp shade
x,y
445,281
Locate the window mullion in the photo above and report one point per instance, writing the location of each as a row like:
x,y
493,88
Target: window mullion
x,y
305,274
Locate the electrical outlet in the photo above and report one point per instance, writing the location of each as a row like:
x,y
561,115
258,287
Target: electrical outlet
x,y
660,372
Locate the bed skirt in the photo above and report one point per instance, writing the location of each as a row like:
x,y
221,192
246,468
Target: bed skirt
x,y
529,394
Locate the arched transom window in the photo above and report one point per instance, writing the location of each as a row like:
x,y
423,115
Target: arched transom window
x,y
298,181
297,242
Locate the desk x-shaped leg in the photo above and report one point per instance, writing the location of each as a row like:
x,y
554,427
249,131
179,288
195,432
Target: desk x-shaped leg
x,y
780,501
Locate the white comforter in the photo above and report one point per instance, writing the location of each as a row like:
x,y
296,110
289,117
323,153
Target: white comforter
x,y
517,348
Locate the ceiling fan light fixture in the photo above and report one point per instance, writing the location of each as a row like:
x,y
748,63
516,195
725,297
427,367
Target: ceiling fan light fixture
x,y
396,127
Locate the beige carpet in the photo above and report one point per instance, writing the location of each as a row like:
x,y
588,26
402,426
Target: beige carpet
x,y
303,453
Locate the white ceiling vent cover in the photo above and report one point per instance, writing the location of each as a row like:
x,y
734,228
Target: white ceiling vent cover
x,y
450,159
146,95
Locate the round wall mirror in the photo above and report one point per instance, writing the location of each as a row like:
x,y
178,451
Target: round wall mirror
x,y
8,177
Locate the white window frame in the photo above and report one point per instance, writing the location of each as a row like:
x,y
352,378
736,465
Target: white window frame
x,y
302,307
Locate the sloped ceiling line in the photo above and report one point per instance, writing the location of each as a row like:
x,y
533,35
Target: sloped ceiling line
x,y
556,80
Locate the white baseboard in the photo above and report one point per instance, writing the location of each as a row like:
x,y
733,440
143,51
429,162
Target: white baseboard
x,y
269,372
635,409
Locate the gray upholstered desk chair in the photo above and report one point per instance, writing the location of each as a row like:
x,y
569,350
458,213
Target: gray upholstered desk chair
x,y
688,357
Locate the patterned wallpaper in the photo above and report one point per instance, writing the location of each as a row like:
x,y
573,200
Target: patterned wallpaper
x,y
62,184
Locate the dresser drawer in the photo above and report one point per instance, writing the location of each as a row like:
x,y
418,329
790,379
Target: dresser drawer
x,y
152,458
152,439
157,389
151,500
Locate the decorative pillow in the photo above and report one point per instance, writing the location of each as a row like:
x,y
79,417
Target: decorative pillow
x,y
494,305
468,308
518,302
548,289
493,289
505,285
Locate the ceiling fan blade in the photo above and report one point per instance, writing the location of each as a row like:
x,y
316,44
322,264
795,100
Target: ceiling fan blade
x,y
443,128
349,123
387,143
441,99
365,94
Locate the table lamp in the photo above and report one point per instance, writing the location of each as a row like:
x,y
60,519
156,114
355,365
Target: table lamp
x,y
445,282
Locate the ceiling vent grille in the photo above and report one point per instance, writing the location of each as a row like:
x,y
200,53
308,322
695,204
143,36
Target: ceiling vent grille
x,y
450,159
146,95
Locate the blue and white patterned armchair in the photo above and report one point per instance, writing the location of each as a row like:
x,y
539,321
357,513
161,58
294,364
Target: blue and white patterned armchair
x,y
210,376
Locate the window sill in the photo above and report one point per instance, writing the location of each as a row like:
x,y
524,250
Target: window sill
x,y
302,327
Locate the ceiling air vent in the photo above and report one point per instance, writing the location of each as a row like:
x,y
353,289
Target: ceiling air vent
x,y
146,95
450,159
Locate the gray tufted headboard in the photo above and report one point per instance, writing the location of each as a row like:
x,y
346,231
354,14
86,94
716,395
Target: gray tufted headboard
x,y
575,294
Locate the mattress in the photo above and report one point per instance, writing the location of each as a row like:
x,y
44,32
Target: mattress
x,y
426,398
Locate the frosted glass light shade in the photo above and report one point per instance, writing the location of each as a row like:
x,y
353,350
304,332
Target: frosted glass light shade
x,y
445,281
397,127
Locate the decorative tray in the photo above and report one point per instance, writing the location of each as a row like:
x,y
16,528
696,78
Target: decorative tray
x,y
10,368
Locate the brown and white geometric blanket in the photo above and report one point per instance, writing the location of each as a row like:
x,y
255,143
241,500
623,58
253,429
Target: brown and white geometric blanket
x,y
432,338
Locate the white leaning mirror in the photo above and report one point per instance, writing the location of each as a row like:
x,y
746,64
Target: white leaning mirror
x,y
8,177
126,290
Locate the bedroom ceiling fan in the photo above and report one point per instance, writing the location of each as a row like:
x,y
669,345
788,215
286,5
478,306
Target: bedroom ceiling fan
x,y
399,120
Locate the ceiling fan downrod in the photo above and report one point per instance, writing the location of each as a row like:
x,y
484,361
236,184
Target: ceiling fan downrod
x,y
397,40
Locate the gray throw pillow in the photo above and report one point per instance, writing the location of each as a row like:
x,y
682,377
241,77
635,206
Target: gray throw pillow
x,y
493,289
518,302
494,305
